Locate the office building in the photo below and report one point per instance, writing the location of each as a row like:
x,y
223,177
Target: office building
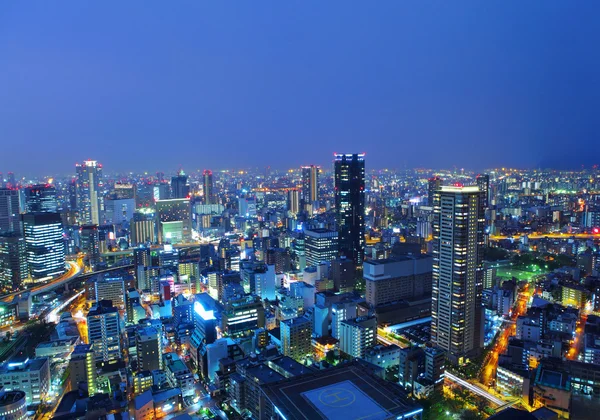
x,y
148,343
104,331
110,288
174,220
10,219
179,186
178,374
208,187
434,184
14,269
89,236
397,278
296,338
350,204
293,202
82,368
458,235
321,245
358,335
13,405
40,199
260,279
483,183
243,315
143,228
343,274
310,187
31,376
118,210
44,244
89,194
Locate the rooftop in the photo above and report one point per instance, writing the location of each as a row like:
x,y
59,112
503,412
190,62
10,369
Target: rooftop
x,y
345,391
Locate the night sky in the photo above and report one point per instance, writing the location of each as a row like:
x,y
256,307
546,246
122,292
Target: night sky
x,y
147,85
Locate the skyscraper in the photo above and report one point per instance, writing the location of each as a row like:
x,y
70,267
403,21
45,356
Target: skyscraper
x,y
458,234
483,182
350,204
208,187
13,261
296,338
40,198
179,185
293,202
90,243
149,349
83,368
44,244
89,182
104,331
174,220
321,245
10,220
434,185
310,186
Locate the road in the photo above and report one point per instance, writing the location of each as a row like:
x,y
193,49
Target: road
x,y
74,270
547,235
475,389
507,330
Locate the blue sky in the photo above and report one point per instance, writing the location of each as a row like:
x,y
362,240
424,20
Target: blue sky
x,y
148,85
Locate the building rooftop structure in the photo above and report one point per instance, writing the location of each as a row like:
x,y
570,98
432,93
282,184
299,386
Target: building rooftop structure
x,y
346,391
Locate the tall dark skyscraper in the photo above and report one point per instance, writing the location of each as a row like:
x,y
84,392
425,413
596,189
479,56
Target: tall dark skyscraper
x,y
483,182
10,219
458,244
208,187
179,185
40,199
44,243
434,185
350,204
310,184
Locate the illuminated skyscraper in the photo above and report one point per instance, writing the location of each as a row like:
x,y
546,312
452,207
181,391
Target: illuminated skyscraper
x,y
293,202
174,220
90,243
89,182
321,246
434,185
310,186
350,204
44,243
179,185
13,261
104,331
458,235
40,199
10,220
208,187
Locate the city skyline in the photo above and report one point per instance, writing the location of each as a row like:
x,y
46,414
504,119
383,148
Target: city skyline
x,y
383,80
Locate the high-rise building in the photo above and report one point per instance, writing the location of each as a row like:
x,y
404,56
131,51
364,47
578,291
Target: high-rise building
x,y
174,218
321,245
179,185
40,199
90,243
293,202
343,274
82,368
357,335
89,195
483,182
208,187
110,288
143,228
31,376
13,262
434,185
44,244
118,210
10,220
310,186
398,278
260,279
296,339
149,349
458,235
350,204
104,331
